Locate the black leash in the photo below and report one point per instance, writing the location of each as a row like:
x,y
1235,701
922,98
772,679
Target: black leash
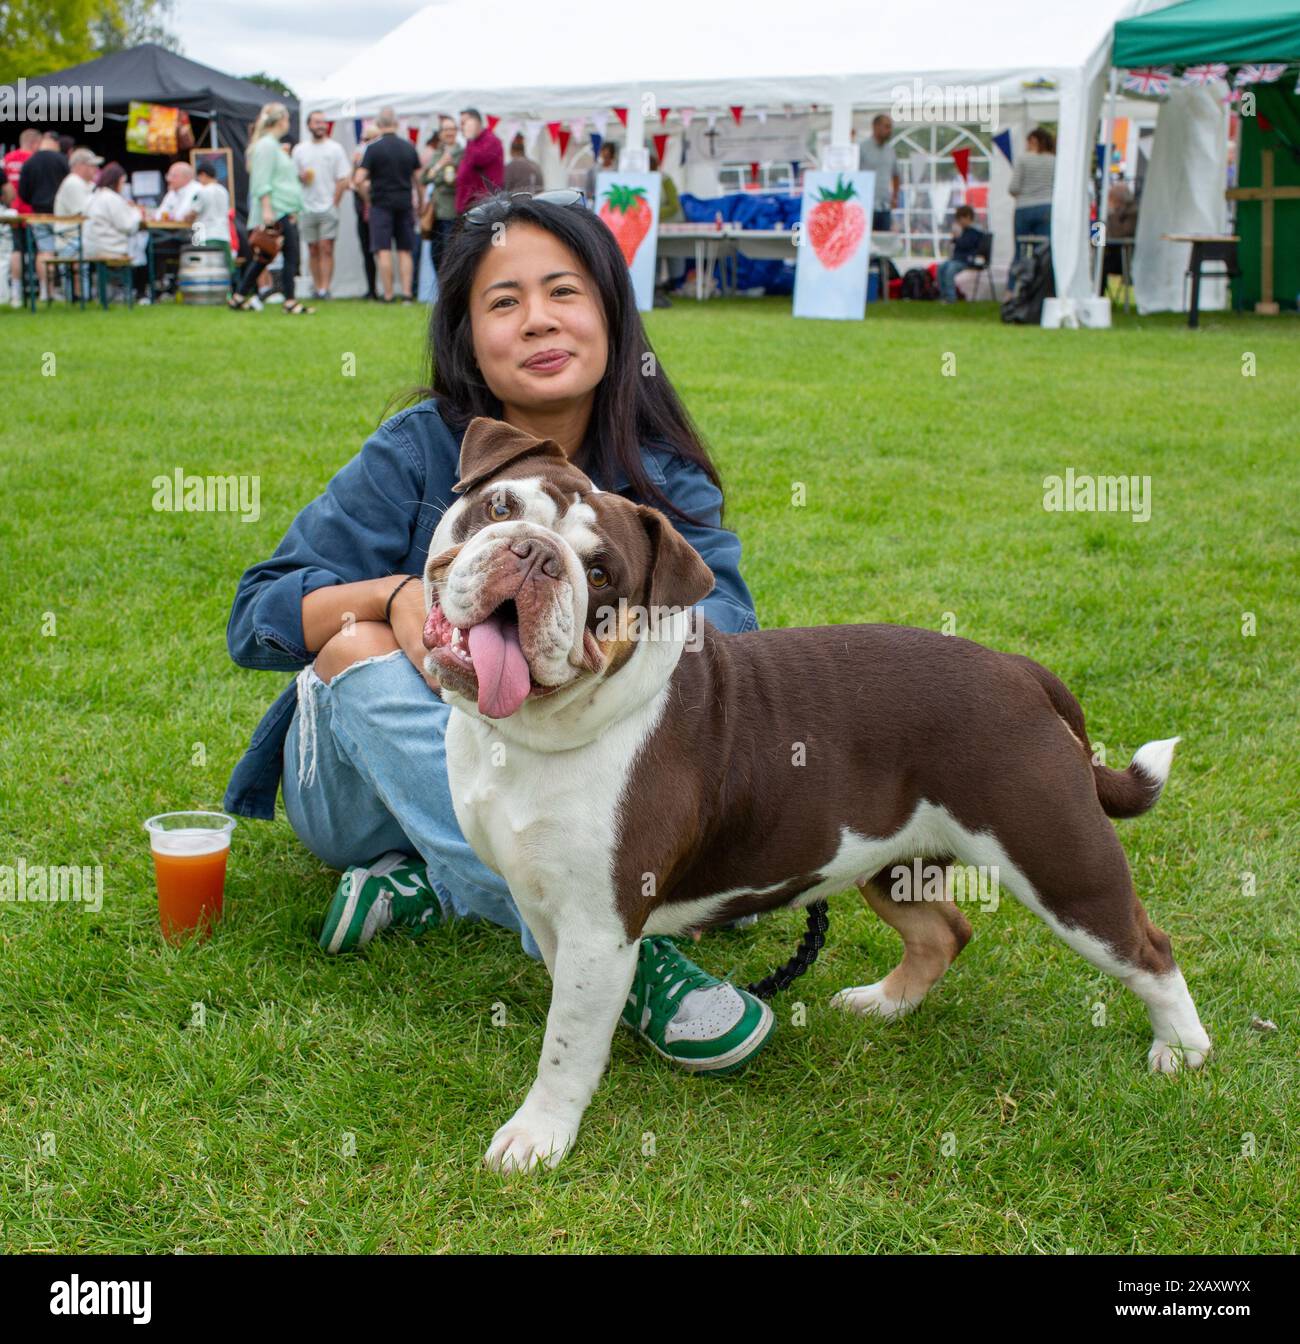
x,y
818,922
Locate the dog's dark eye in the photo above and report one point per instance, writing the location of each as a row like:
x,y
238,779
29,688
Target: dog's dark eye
x,y
597,577
498,510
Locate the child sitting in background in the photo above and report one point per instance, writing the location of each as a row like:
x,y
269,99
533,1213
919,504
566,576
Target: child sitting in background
x,y
967,240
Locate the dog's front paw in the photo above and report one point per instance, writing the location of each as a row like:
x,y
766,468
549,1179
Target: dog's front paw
x,y
1170,1057
530,1137
872,1001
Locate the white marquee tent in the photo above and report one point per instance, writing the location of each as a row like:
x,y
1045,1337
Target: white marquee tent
x,y
842,57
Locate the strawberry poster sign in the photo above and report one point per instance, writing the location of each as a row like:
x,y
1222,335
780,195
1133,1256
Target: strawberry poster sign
x,y
830,278
629,205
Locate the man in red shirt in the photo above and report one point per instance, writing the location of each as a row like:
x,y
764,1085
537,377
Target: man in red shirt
x,y
482,168
28,142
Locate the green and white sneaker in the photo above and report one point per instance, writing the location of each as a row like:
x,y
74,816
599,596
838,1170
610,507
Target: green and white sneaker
x,y
704,1024
393,891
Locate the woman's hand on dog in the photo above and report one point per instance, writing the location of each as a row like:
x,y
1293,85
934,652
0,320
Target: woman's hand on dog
x,y
408,628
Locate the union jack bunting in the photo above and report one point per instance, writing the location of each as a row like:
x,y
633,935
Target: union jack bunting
x,y
1148,80
1203,74
1259,74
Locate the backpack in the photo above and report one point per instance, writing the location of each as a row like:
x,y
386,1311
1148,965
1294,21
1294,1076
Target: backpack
x,y
919,284
1029,282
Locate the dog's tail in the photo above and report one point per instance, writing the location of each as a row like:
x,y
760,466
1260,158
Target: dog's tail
x,y
1129,793
1122,793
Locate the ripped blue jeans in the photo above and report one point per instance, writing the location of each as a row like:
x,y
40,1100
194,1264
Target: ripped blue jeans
x,y
365,772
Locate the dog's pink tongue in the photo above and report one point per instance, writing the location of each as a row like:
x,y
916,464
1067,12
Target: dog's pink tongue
x,y
500,666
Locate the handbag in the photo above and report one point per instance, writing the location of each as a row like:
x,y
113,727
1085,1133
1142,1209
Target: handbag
x,y
266,243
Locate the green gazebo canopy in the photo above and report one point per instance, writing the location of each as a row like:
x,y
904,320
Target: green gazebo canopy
x,y
1198,31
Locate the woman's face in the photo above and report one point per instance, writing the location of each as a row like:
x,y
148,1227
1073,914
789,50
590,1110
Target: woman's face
x,y
537,321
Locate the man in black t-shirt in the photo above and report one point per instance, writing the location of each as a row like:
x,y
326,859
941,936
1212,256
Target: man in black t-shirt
x,y
386,180
38,184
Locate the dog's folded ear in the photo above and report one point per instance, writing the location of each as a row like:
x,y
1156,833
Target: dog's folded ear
x,y
678,576
490,445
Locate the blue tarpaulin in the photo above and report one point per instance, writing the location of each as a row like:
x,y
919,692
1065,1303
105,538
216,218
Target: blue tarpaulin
x,y
751,211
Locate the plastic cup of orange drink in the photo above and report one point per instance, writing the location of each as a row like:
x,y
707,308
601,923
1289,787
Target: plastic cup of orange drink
x,y
189,862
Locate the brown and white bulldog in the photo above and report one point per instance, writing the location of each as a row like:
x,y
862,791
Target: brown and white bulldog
x,y
627,777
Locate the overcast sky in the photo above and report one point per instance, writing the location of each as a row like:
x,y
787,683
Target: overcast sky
x,y
298,41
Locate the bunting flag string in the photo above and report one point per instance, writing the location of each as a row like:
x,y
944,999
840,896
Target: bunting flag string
x,y
737,112
961,157
553,130
621,114
563,141
686,113
661,145
598,123
509,129
761,114
1003,141
663,114
578,125
596,141
532,129
492,122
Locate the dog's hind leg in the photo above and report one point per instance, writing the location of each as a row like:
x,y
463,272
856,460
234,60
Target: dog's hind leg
x,y
1079,884
933,933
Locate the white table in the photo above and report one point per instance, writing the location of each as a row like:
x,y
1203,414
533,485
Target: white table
x,y
709,244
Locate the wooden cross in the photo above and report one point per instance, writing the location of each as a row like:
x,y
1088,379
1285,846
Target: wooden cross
x,y
1266,193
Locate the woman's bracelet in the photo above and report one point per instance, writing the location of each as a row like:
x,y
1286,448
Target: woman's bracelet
x,y
388,609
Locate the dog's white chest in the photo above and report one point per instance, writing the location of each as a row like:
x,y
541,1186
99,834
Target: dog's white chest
x,y
546,821
532,817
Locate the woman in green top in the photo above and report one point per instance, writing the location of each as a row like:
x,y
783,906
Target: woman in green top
x,y
274,202
440,173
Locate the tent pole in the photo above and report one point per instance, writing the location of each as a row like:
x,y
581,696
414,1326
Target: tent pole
x,y
635,158
1099,261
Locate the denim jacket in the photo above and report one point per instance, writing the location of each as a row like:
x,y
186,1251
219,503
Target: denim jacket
x,y
377,516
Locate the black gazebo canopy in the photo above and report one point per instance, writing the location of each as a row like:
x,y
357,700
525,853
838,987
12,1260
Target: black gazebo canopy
x,y
152,74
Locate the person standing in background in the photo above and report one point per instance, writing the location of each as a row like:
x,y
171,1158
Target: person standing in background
x,y
522,174
325,175
482,166
275,202
387,180
28,143
1031,184
362,206
670,212
878,156
39,180
440,174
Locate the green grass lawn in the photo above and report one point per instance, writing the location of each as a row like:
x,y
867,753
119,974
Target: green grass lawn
x,y
344,1104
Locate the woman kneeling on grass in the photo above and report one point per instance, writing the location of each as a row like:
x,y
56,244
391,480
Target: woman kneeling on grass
x,y
358,746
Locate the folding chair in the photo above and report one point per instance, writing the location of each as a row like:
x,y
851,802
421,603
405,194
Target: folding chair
x,y
983,265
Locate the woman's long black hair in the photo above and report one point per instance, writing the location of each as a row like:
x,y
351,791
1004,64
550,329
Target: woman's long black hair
x,y
635,402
